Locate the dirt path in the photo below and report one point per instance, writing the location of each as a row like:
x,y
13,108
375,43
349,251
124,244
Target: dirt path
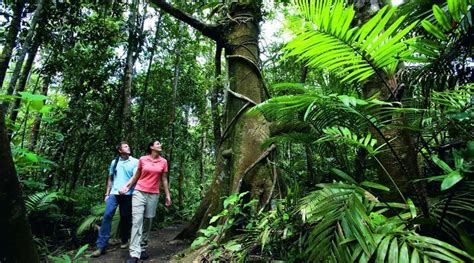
x,y
161,247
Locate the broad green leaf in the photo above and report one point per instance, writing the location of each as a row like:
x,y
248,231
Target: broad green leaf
x,y
37,104
451,179
32,97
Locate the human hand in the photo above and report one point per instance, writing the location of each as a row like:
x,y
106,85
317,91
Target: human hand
x,y
167,201
124,190
106,197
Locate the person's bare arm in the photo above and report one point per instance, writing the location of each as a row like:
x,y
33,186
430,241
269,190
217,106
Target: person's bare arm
x,y
108,186
164,179
131,182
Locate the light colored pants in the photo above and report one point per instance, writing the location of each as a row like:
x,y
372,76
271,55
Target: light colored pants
x,y
143,210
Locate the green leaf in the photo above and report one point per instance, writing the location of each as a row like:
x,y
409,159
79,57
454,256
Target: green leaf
x,y
446,168
404,256
32,97
451,179
453,7
37,104
233,246
382,249
81,250
375,186
198,241
393,251
412,207
415,258
230,200
441,17
343,175
432,29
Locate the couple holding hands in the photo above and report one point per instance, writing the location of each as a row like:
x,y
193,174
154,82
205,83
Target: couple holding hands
x,y
134,186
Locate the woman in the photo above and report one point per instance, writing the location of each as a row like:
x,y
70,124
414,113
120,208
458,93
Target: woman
x,y
152,169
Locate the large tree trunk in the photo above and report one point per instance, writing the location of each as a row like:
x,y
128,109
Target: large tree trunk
x,y
23,79
26,47
241,163
399,158
16,240
11,39
216,93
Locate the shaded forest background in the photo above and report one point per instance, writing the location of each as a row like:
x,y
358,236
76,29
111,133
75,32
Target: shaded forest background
x,y
338,131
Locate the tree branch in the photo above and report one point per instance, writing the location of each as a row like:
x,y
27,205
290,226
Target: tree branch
x,y
209,30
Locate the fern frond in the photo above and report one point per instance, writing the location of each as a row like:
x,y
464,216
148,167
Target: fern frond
x,y
328,42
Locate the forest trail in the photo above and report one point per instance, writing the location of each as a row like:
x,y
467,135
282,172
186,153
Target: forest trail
x,y
161,247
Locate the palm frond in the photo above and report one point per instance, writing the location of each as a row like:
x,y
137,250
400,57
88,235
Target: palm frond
x,y
327,40
42,201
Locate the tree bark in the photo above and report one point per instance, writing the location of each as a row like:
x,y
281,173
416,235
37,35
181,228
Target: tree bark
x,y
127,88
174,93
400,160
11,39
37,123
23,79
241,163
182,170
201,163
147,77
307,148
16,240
26,47
216,93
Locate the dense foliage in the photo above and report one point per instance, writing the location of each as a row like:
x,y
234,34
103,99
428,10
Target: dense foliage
x,y
370,113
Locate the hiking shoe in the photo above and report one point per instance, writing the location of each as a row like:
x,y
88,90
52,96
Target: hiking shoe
x,y
124,245
97,253
144,255
131,260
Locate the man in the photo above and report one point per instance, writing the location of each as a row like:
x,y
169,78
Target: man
x,y
120,171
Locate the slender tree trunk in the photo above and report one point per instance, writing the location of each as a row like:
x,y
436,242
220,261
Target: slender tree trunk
x,y
174,94
127,89
307,148
37,123
182,168
16,240
148,71
24,79
26,47
201,163
11,39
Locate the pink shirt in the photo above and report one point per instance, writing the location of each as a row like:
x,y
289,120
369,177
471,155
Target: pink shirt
x,y
151,172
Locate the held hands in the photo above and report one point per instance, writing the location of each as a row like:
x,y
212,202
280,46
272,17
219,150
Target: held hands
x,y
124,190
